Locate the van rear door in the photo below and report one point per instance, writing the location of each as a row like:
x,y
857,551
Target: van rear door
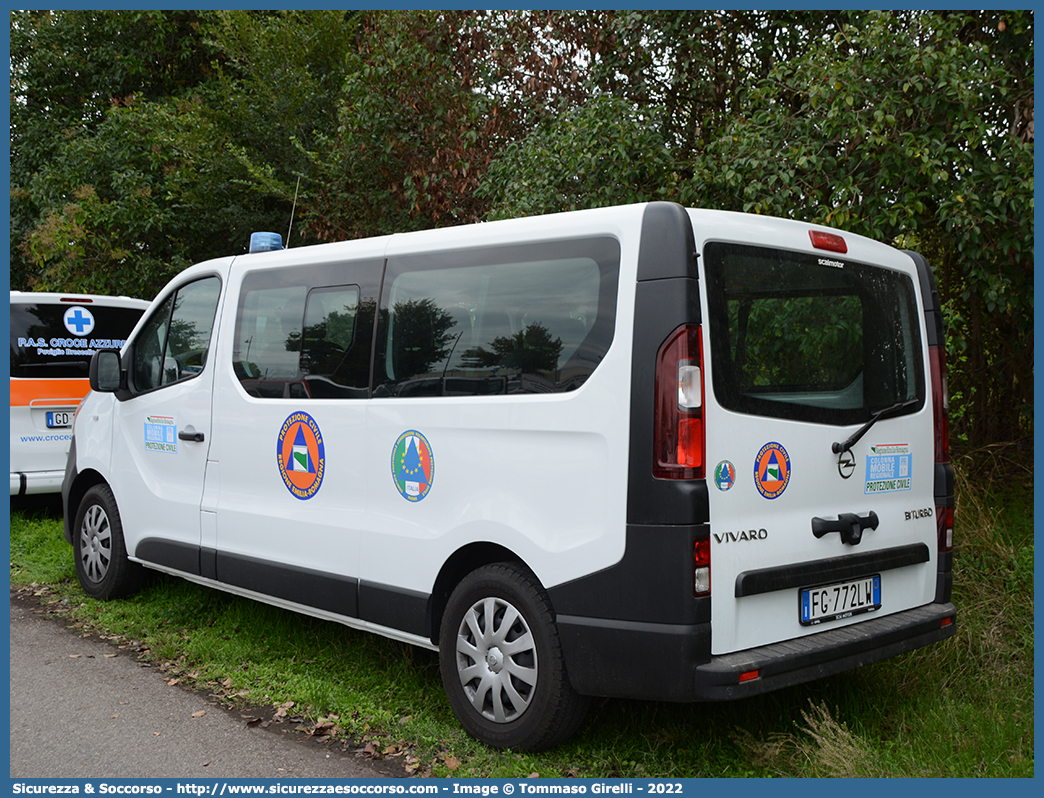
x,y
819,438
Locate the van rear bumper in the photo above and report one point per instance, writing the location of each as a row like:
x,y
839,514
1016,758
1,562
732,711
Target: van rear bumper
x,y
663,662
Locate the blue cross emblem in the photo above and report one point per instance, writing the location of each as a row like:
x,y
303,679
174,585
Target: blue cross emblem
x,y
79,321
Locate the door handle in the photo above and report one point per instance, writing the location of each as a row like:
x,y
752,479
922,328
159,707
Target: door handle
x,y
849,525
190,435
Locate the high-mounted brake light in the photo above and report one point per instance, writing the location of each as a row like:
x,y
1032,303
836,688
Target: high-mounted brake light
x,y
831,242
79,300
678,435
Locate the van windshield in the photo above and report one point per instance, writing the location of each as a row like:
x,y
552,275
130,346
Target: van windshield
x,y
811,338
57,341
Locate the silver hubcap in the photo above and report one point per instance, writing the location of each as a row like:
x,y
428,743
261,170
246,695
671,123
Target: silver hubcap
x,y
496,660
95,543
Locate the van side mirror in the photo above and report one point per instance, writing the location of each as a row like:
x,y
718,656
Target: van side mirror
x,y
106,371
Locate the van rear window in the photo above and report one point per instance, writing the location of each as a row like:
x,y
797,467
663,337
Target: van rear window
x,y
534,318
810,338
57,341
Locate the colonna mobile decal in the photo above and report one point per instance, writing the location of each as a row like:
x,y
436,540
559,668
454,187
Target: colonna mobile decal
x,y
888,467
161,434
301,455
772,470
412,465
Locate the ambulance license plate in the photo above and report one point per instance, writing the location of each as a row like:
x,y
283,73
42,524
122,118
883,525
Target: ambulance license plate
x,y
841,600
59,418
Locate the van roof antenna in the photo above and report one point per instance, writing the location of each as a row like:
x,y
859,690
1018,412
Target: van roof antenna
x,y
292,209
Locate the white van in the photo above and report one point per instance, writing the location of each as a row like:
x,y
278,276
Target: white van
x,y
640,451
53,337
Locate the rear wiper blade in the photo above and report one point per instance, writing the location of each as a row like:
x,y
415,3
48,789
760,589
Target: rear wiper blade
x,y
838,448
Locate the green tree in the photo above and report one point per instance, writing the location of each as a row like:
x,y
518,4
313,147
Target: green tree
x,y
602,153
133,203
412,135
276,92
141,177
68,68
905,127
145,140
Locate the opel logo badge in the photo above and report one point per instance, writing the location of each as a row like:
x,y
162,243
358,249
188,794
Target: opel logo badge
x,y
846,464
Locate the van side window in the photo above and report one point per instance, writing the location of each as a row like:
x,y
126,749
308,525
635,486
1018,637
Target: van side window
x,y
535,318
173,344
297,340
794,337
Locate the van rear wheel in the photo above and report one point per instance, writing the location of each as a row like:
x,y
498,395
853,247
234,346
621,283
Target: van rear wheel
x,y
502,664
102,565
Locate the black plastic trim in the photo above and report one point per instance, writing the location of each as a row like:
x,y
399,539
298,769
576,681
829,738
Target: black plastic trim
x,y
832,569
628,659
667,295
944,485
180,556
660,307
666,662
808,658
668,246
208,562
944,578
932,301
394,607
324,591
651,583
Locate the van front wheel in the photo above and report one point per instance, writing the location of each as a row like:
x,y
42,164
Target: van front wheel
x,y
502,664
101,555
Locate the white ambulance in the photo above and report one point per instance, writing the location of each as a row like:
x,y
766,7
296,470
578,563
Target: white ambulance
x,y
53,337
640,451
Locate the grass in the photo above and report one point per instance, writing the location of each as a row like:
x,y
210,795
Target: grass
x,y
960,708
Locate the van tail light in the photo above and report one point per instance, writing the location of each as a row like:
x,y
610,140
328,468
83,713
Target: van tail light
x,y
940,403
678,433
944,525
701,571
941,415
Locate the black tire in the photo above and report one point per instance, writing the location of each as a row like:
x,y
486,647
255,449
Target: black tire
x,y
101,554
502,665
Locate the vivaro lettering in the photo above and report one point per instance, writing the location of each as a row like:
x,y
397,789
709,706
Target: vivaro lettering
x,y
550,450
736,537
